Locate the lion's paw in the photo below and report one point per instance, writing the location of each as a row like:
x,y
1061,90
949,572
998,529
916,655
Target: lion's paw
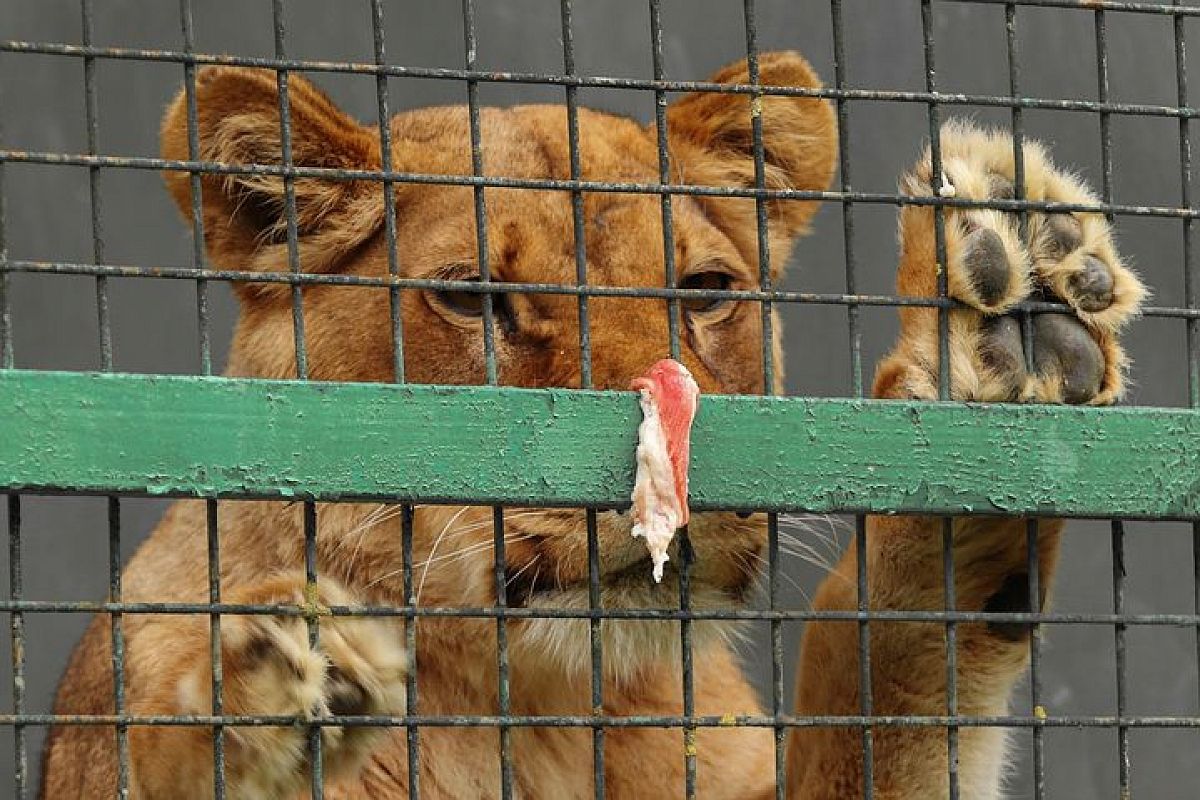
x,y
997,259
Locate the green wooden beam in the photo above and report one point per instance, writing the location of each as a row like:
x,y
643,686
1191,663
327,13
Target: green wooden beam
x,y
158,435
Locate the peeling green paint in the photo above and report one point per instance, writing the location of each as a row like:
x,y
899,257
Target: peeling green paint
x,y
167,435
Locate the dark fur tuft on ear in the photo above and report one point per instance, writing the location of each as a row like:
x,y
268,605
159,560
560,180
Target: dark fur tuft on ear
x,y
712,143
245,220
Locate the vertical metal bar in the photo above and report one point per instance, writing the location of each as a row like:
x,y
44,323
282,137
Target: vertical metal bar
x,y
6,328
577,210
595,602
673,328
1118,530
579,231
766,312
389,197
316,765
951,606
91,112
289,189
313,620
16,589
195,188
1033,562
1105,116
1191,280
760,202
489,346
413,733
936,178
944,389
686,558
1118,566
777,707
664,176
840,66
118,644
865,697
214,637
502,688
477,169
1033,565
866,702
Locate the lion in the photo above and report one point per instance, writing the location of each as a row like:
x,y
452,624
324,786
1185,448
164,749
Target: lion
x,y
358,666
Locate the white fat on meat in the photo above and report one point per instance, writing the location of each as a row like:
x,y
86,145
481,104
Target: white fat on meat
x,y
656,510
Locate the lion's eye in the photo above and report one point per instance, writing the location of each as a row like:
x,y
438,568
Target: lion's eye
x,y
468,304
711,281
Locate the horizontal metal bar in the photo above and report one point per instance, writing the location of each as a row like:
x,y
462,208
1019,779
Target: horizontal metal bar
x,y
1095,5
505,287
661,614
598,82
201,436
568,185
608,721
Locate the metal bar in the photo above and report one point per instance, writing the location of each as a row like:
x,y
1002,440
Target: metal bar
x,y
840,67
196,190
185,273
595,603
312,621
389,195
937,180
289,191
1191,278
767,318
410,644
159,436
601,81
579,232
6,324
1118,587
866,704
477,170
1033,564
504,702
491,612
566,185
664,178
587,721
1032,556
217,683
16,589
117,632
578,225
91,113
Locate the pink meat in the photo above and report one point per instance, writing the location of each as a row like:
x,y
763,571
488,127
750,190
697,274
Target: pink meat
x,y
669,396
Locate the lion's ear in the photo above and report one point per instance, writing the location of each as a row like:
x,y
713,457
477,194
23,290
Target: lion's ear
x,y
712,143
245,219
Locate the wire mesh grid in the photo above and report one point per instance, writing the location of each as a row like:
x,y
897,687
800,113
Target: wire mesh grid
x,y
779,720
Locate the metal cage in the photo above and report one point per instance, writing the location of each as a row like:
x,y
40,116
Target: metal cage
x,y
53,444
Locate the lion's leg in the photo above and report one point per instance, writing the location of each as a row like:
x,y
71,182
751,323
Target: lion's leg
x,y
994,262
269,669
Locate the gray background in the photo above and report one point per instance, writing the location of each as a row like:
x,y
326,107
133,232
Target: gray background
x,y
154,326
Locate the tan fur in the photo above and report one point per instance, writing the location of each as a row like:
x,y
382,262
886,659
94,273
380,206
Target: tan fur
x,y
267,663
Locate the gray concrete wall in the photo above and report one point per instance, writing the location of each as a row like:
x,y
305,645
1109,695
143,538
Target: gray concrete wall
x,y
154,328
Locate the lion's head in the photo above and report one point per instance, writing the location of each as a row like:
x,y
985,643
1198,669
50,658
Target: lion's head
x,y
340,229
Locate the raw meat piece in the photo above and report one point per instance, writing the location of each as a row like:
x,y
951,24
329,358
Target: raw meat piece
x,y
669,399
